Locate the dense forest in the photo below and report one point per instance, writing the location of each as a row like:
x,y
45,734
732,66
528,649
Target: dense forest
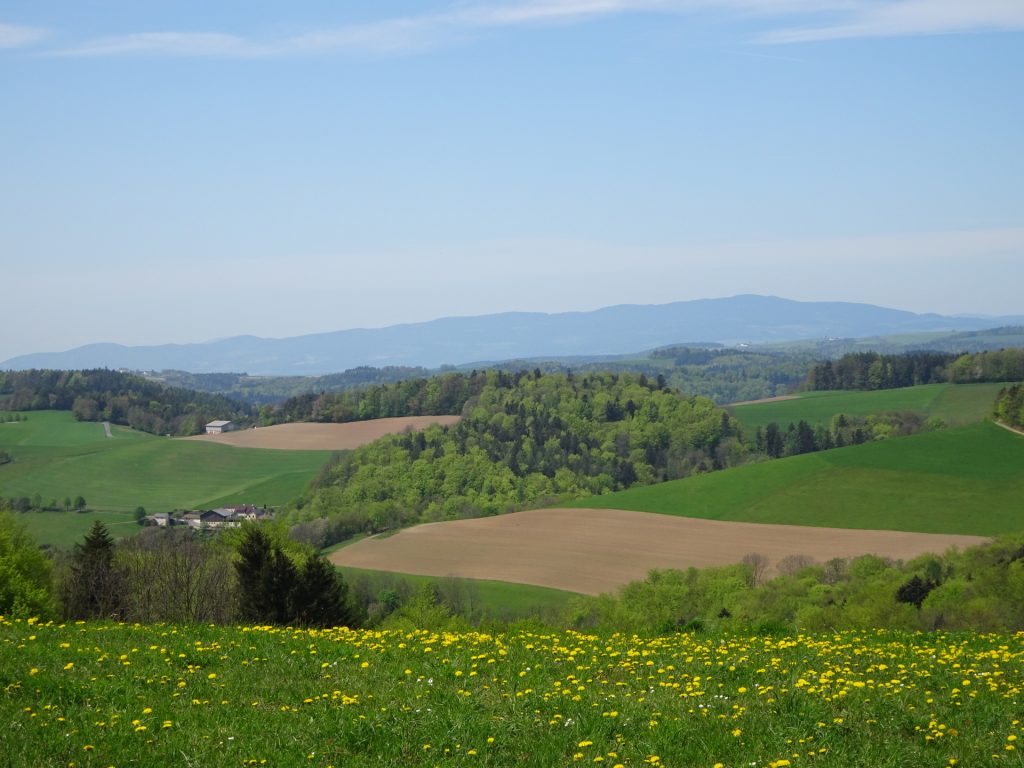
x,y
871,370
121,398
1009,407
524,437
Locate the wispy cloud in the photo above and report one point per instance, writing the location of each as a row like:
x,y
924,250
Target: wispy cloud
x,y
905,18
826,19
18,36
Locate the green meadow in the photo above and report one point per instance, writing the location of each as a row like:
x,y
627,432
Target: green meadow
x,y
92,694
968,480
57,457
955,404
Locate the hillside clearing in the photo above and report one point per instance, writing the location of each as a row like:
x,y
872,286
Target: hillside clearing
x,y
598,550
305,436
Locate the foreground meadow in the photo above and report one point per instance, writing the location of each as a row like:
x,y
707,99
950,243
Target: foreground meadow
x,y
95,694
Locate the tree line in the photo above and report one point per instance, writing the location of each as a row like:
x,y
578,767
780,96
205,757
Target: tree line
x,y
872,370
774,442
980,588
264,390
35,503
121,398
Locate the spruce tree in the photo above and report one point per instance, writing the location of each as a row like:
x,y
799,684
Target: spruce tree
x,y
93,588
321,595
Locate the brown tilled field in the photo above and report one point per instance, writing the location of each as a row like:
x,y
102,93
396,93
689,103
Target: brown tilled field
x,y
597,550
323,437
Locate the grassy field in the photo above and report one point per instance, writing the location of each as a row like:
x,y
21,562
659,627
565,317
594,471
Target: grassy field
x,y
482,597
57,457
968,480
956,404
91,694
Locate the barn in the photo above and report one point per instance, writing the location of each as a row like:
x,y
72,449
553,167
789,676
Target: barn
x,y
219,427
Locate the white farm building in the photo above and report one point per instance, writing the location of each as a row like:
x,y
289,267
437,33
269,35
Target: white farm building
x,y
219,427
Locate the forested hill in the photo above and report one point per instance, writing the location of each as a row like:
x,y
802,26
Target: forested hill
x,y
121,398
524,438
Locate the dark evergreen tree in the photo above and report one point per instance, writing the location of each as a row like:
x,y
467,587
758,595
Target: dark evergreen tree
x,y
915,591
92,588
773,441
251,568
320,598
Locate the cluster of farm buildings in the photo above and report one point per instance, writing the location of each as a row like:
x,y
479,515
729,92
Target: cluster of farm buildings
x,y
222,517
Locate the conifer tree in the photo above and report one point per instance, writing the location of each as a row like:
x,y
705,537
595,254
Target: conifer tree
x,y
93,587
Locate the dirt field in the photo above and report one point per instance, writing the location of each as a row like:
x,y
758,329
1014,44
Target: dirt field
x,y
323,437
597,550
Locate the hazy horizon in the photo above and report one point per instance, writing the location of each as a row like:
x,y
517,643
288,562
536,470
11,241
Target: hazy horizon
x,y
176,175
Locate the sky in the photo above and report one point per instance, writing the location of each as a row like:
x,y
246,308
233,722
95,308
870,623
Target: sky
x,y
179,172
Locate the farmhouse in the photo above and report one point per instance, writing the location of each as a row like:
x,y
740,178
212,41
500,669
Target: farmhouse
x,y
222,517
219,427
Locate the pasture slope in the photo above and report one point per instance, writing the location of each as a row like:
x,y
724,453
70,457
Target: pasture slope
x,y
966,481
306,436
955,404
57,457
598,550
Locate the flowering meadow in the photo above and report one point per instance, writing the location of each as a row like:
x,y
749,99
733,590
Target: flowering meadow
x,y
102,694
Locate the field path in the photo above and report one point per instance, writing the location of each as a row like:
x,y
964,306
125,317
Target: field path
x,y
597,550
106,429
306,436
776,399
1008,428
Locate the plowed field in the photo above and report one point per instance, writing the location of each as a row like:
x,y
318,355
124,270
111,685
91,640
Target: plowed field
x,y
597,550
323,437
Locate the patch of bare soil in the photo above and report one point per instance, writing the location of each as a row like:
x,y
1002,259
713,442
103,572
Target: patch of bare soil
x,y
598,550
323,437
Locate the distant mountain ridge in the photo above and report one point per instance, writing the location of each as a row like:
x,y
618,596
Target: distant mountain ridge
x,y
458,340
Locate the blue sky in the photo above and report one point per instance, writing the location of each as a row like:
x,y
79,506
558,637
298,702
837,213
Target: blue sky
x,y
186,171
